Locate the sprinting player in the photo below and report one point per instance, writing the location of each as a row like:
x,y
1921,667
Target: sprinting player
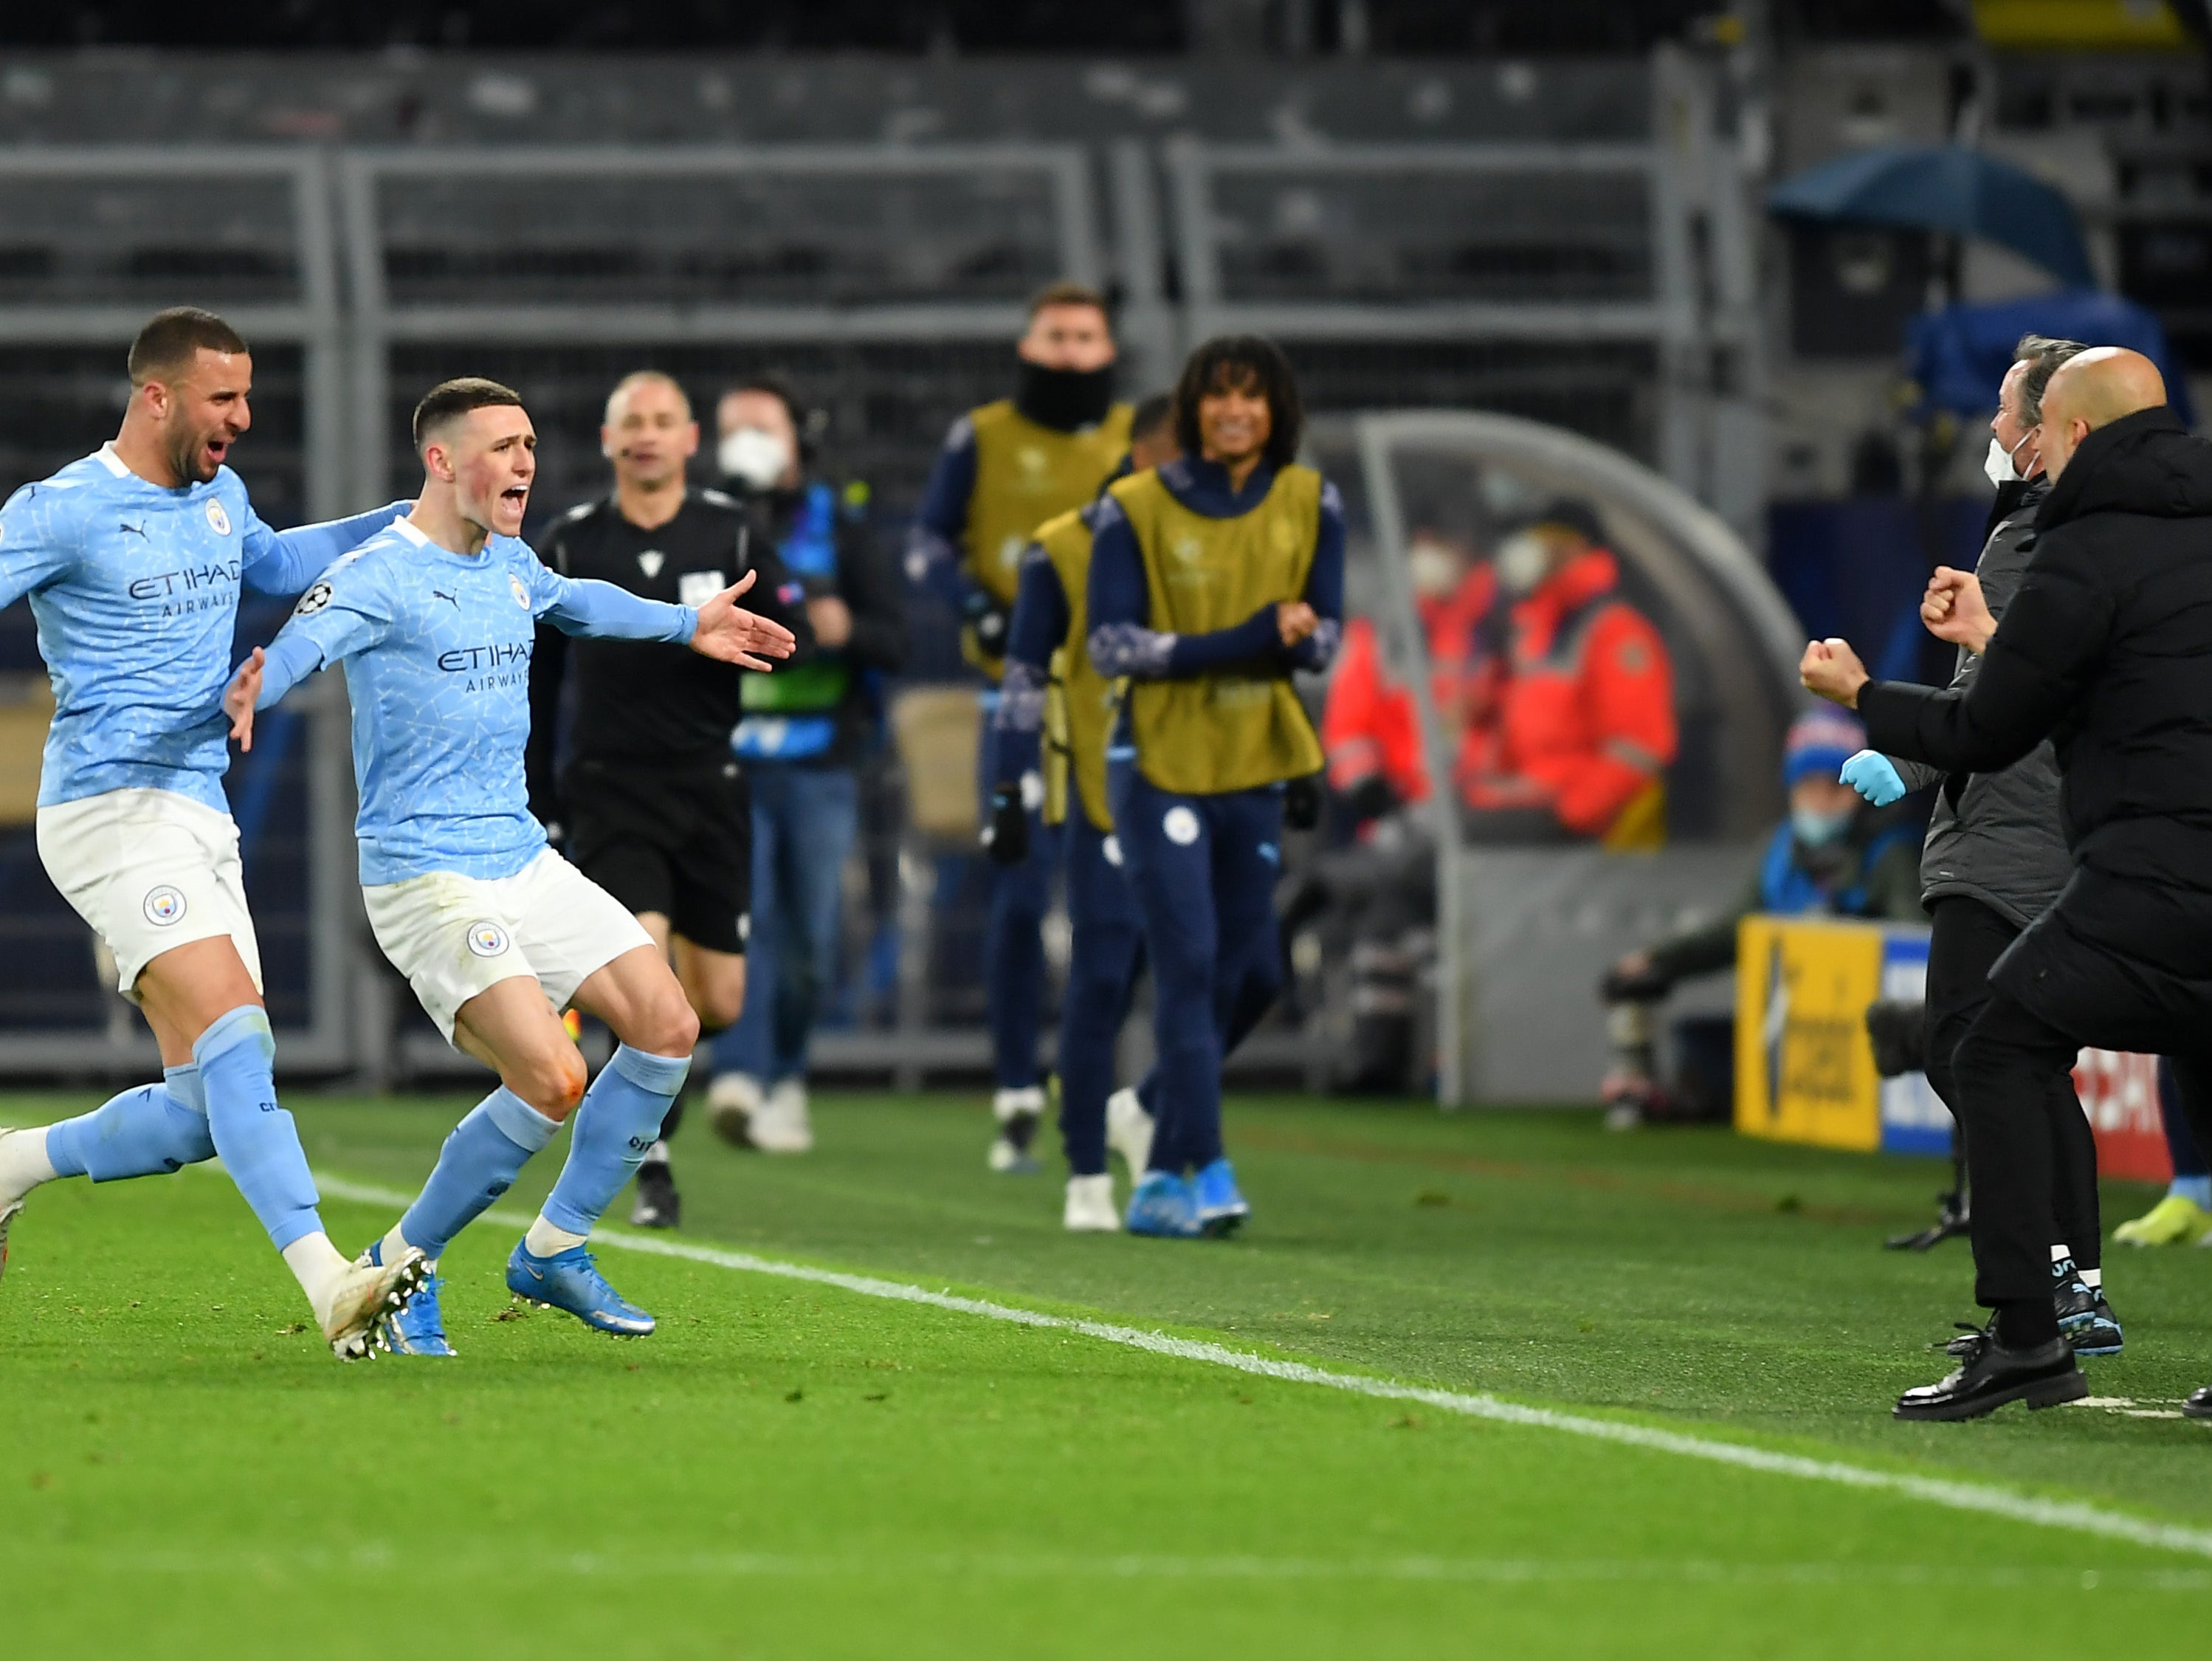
x,y
1007,467
653,803
1211,579
133,558
495,932
1047,664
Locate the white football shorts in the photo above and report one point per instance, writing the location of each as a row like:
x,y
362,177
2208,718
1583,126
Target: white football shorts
x,y
148,870
453,936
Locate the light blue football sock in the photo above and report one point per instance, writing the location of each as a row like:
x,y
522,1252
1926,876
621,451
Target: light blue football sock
x,y
259,1142
149,1129
480,1161
620,1119
2198,1189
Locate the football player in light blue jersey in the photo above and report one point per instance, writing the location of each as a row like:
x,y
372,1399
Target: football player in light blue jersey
x,y
435,619
133,559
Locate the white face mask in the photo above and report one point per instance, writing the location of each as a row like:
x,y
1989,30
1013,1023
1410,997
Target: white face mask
x,y
1524,561
1433,568
1997,464
754,456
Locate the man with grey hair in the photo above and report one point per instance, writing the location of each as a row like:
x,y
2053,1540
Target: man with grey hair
x,y
1995,857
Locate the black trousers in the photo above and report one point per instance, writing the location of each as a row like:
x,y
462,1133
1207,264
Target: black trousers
x,y
1967,937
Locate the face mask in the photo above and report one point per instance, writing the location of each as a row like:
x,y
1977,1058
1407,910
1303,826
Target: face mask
x,y
1997,464
1434,569
1524,561
754,457
1814,828
1065,400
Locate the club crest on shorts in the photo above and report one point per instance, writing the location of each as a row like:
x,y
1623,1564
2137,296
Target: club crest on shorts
x,y
218,520
486,937
312,601
1180,825
164,905
521,594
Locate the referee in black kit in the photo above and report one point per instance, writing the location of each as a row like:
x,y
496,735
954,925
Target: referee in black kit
x,y
650,804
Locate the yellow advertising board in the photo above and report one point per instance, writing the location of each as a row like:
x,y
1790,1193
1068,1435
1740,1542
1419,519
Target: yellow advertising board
x,y
1804,1069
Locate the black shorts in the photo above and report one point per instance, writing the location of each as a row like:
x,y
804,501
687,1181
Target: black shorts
x,y
676,838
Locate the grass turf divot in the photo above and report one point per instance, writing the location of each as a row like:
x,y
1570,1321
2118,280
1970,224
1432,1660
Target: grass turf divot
x,y
2071,1515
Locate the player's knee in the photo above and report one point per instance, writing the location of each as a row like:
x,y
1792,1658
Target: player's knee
x,y
718,1001
552,1082
667,1026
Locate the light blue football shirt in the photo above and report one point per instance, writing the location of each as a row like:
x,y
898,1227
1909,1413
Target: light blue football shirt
x,y
135,588
436,648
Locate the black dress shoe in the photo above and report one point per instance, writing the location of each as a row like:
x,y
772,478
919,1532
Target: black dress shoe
x,y
659,1205
2199,1404
1989,1375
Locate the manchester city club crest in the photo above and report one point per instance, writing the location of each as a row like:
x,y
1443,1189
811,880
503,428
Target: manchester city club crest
x,y
164,905
486,937
218,520
521,594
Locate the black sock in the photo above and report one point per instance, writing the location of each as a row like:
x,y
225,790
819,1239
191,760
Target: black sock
x,y
2027,1322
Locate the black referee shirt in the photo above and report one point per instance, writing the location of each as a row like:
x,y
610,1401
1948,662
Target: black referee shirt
x,y
649,701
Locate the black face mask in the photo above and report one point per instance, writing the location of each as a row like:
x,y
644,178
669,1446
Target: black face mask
x,y
1065,400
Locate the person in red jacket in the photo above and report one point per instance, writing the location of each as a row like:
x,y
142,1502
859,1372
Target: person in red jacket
x,y
1369,728
1579,736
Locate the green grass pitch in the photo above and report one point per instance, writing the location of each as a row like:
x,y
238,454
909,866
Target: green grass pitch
x,y
790,1468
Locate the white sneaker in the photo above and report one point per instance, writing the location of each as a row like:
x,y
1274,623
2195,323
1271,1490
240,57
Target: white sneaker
x,y
1089,1208
364,1296
1129,1131
732,1099
1018,1113
780,1124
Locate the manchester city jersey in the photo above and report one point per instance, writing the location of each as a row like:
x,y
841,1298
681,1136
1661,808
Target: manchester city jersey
x,y
436,647
135,589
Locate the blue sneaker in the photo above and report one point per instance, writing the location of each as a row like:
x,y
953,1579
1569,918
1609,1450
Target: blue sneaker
x,y
1161,1207
417,1327
1220,1208
571,1280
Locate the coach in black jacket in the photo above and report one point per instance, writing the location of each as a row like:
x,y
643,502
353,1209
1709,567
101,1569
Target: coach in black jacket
x,y
2107,650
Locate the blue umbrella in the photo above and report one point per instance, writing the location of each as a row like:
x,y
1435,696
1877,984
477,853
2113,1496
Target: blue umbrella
x,y
1943,188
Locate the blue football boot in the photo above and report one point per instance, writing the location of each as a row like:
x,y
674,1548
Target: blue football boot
x,y
417,1327
571,1280
1221,1209
1162,1207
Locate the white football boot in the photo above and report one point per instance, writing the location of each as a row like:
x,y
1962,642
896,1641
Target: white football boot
x,y
732,1099
1129,1130
780,1123
366,1296
1019,1112
1089,1208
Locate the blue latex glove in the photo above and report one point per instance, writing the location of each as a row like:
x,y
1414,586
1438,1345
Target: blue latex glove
x,y
1870,774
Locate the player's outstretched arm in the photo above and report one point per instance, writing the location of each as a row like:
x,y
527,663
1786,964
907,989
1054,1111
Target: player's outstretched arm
x,y
728,631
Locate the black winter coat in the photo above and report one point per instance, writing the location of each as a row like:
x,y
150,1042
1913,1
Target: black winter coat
x,y
2107,650
1995,837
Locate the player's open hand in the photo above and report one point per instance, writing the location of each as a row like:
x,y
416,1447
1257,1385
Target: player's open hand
x,y
735,636
238,698
1833,670
1954,609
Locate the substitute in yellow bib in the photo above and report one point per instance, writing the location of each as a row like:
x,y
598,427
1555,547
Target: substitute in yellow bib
x,y
1056,712
1006,469
1212,580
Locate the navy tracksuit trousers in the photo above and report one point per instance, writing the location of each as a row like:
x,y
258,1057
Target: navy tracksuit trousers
x,y
1106,948
1202,869
1013,941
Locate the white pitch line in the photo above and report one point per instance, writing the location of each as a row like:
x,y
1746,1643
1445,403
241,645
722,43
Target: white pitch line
x,y
2068,1514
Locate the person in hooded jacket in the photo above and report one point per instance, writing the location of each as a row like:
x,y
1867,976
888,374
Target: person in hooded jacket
x,y
1834,857
1995,857
2105,650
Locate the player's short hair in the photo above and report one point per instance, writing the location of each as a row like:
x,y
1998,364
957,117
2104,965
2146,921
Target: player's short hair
x,y
170,339
637,378
1067,293
2043,354
450,399
1238,360
1152,417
